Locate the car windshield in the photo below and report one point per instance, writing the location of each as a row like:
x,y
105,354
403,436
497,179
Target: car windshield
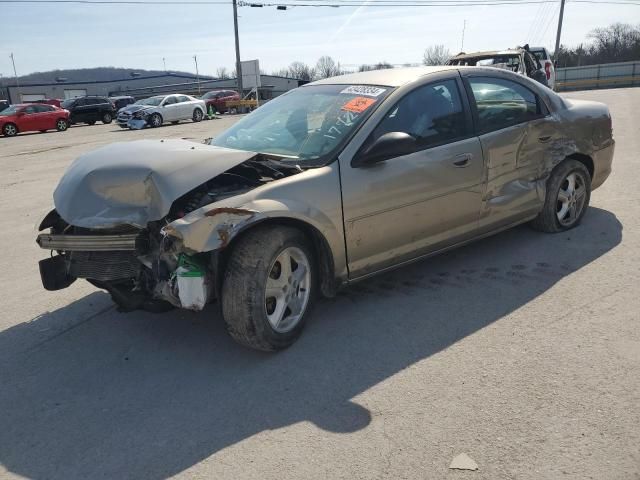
x,y
9,111
540,54
67,103
307,124
153,101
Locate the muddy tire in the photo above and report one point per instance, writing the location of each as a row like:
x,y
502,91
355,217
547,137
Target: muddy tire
x,y
269,287
567,198
9,130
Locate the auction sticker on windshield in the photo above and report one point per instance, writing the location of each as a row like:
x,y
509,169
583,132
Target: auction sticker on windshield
x,y
366,90
358,104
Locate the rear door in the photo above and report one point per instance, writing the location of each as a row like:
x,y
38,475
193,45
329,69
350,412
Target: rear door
x,y
413,204
92,109
185,106
46,118
515,130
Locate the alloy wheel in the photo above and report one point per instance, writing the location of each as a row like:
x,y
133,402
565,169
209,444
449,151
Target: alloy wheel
x,y
288,289
571,199
10,130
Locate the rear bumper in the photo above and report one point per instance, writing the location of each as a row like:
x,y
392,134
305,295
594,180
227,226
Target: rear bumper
x,y
602,160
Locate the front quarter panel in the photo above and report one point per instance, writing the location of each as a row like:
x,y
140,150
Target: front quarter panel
x,y
312,197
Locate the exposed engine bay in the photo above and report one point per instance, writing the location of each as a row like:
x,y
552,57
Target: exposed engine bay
x,y
149,267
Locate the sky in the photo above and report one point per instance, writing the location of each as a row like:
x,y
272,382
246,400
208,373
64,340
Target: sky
x,y
45,37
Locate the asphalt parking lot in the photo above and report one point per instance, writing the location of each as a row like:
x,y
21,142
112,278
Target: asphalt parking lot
x,y
521,350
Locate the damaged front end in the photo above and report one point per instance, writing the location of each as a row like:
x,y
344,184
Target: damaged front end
x,y
150,232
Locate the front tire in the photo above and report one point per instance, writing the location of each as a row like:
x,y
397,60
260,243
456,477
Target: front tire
x,y
197,115
269,287
9,130
107,118
567,198
155,121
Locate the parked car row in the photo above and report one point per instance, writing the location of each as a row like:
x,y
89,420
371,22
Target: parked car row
x,y
128,113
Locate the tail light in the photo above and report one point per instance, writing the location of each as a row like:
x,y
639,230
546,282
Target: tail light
x,y
547,69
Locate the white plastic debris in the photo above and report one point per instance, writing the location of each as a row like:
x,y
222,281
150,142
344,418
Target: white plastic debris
x,y
463,462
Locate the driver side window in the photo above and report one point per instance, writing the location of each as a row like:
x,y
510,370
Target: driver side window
x,y
170,101
433,114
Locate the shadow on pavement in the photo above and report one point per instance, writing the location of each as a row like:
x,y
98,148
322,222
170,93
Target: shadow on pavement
x,y
148,396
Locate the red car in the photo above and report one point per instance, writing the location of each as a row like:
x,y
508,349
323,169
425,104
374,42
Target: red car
x,y
218,98
32,117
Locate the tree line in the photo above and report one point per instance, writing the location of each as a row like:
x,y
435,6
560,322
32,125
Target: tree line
x,y
618,42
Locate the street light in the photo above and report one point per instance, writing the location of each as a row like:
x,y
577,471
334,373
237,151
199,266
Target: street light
x,y
195,59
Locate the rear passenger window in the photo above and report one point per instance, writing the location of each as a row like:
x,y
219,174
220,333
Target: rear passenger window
x,y
183,98
502,103
433,114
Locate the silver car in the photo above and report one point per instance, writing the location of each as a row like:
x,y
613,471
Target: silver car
x,y
154,111
328,184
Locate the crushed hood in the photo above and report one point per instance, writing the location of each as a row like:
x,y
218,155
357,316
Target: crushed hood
x,y
133,108
134,183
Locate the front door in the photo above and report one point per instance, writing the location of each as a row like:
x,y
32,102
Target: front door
x,y
410,205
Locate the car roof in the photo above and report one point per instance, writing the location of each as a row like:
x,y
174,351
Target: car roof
x,y
488,53
390,77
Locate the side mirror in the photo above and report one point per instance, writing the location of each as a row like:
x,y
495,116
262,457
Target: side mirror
x,y
389,145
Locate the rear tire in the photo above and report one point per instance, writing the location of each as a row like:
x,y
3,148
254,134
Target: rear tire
x,y
197,115
567,198
62,125
107,118
10,130
269,288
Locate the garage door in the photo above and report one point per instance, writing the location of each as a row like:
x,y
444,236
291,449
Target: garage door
x,y
32,97
74,93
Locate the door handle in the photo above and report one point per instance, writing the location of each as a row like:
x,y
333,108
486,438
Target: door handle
x,y
544,139
462,160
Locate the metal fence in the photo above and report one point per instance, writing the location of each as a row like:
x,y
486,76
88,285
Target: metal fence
x,y
608,75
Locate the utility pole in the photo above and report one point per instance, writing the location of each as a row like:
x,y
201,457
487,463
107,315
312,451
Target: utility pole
x,y
464,27
195,59
235,30
557,49
15,74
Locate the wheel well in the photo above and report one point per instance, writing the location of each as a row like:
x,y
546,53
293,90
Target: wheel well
x,y
324,257
586,160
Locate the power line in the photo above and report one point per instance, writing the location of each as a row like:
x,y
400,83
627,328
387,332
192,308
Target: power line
x,y
337,4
